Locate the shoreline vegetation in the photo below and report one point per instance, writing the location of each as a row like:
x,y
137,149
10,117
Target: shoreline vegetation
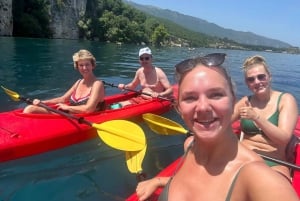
x,y
116,22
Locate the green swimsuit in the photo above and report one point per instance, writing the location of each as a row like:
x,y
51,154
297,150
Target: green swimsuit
x,y
249,127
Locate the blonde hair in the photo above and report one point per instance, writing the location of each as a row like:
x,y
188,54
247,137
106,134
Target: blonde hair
x,y
81,55
255,60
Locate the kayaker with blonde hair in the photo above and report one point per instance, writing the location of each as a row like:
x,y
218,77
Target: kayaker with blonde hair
x,y
268,117
216,165
85,96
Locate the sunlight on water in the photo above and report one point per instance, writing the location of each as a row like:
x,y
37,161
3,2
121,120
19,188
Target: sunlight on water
x,y
39,68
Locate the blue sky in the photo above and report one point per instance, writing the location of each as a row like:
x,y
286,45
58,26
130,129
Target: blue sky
x,y
276,19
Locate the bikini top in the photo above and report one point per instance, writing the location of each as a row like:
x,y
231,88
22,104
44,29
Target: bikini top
x,y
83,100
164,194
80,100
248,126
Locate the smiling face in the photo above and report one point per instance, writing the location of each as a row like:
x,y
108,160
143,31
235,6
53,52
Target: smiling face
x,y
257,78
206,101
85,66
83,55
257,74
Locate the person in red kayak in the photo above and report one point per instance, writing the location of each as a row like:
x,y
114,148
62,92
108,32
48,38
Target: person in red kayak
x,y
85,96
216,165
152,79
268,117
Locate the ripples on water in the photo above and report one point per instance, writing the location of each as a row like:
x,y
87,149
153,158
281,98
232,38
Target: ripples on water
x,y
91,171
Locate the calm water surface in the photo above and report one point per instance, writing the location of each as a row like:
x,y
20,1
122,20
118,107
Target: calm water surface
x,y
91,170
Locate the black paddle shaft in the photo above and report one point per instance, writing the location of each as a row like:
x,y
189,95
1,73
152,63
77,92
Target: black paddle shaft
x,y
80,120
290,165
138,92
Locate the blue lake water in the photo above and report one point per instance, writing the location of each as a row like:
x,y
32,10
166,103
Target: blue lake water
x,y
91,170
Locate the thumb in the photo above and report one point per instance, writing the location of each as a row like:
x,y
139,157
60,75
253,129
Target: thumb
x,y
247,103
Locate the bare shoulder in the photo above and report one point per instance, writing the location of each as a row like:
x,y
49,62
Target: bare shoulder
x,y
259,168
256,176
288,101
159,70
288,97
98,83
139,70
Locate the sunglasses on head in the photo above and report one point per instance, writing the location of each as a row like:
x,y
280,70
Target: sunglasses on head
x,y
214,59
260,77
144,58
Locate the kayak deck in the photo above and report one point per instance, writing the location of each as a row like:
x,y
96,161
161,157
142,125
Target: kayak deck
x,y
24,135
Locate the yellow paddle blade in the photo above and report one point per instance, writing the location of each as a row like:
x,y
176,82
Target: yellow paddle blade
x,y
13,95
163,125
134,160
121,134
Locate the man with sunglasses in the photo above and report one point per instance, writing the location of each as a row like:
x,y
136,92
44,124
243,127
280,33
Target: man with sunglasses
x,y
152,80
268,117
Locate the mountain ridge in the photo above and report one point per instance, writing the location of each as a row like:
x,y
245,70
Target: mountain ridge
x,y
212,29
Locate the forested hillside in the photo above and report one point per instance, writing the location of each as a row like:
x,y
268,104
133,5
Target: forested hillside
x,y
203,26
108,21
104,20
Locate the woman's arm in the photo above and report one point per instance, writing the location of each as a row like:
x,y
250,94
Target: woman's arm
x,y
97,95
146,188
61,99
288,116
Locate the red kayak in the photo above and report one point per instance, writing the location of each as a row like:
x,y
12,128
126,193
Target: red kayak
x,y
24,135
169,170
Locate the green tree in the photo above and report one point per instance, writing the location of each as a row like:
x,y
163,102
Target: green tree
x,y
159,35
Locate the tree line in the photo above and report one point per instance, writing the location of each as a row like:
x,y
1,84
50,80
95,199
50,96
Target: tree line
x,y
115,21
105,20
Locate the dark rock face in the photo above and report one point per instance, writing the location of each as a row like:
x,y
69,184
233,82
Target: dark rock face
x,y
6,19
64,16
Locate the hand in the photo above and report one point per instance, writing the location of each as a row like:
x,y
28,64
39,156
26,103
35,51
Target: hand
x,y
248,112
146,188
36,101
121,86
62,106
155,94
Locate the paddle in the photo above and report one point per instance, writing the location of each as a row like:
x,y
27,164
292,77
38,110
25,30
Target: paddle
x,y
119,134
163,125
138,92
134,160
171,127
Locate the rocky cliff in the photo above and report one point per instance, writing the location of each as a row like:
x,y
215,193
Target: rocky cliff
x,y
64,15
6,19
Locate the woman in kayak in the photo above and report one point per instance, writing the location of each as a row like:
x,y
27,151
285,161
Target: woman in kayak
x,y
268,117
215,166
152,80
85,96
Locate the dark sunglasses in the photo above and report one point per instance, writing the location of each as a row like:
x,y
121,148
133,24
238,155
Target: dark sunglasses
x,y
260,77
144,58
214,59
